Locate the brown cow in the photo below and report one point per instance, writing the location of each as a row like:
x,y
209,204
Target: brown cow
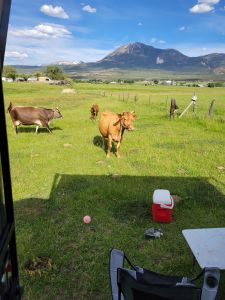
x,y
112,127
28,115
94,111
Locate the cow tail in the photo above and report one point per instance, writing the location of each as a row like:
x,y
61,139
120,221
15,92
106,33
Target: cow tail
x,y
10,107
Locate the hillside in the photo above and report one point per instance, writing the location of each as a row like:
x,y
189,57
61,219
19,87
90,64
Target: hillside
x,y
138,55
144,59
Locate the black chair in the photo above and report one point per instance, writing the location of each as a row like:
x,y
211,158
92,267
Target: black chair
x,y
137,283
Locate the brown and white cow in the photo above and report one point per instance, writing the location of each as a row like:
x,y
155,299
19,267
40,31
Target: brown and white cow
x,y
28,115
94,111
112,127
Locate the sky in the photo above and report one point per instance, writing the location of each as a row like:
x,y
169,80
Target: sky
x,y
48,31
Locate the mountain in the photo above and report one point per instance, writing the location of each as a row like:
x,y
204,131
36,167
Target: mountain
x,y
141,56
136,59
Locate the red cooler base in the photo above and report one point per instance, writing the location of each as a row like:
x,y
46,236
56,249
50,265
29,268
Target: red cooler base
x,y
159,214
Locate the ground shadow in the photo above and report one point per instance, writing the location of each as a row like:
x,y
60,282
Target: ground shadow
x,y
40,130
120,207
98,142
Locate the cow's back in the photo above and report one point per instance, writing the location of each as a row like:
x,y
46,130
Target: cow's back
x,y
27,115
106,123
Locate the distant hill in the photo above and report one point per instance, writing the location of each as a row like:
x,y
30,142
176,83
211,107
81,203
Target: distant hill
x,y
141,56
138,56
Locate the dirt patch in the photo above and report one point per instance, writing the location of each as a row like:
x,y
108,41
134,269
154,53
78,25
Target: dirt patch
x,y
176,198
68,145
38,265
68,91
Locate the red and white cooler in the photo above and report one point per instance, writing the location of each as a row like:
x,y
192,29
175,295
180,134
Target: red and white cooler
x,y
162,206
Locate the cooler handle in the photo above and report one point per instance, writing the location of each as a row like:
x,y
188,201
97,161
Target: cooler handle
x,y
167,206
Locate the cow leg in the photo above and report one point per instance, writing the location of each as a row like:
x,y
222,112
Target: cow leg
x,y
49,130
109,146
15,129
36,131
103,143
117,149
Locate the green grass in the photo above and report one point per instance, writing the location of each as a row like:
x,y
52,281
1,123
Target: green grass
x,y
55,186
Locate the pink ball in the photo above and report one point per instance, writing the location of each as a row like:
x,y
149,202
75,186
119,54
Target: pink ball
x,y
87,219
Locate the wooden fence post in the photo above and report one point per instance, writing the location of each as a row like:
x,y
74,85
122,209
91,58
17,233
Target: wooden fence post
x,y
211,108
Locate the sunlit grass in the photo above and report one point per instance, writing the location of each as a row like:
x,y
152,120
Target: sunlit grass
x,y
58,178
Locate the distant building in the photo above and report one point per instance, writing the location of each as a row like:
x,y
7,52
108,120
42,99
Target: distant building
x,y
44,79
32,79
19,79
9,79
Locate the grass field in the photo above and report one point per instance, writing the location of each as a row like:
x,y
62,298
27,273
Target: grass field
x,y
58,178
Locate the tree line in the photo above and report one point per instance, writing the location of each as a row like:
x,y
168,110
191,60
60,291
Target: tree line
x,y
51,71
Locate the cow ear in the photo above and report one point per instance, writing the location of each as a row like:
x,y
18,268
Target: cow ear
x,y
134,116
120,115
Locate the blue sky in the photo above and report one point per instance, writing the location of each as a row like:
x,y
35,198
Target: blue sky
x,y
42,31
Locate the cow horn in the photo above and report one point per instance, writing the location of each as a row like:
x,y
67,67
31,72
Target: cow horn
x,y
133,112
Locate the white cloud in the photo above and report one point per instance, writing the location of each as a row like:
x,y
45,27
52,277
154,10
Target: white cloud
x,y
47,50
15,55
210,2
42,31
139,24
156,41
201,8
182,28
204,6
57,11
89,9
195,49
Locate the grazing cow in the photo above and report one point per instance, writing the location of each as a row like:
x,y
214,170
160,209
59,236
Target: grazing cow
x,y
112,127
173,108
94,111
28,115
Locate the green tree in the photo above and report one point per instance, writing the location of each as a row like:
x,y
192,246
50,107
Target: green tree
x,y
54,72
37,74
24,76
9,72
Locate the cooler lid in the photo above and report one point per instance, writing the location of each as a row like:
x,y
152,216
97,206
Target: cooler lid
x,y
161,197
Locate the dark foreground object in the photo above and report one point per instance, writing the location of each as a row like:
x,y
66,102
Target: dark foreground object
x,y
138,283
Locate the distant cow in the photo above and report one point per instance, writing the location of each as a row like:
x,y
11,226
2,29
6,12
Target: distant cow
x,y
94,111
173,108
112,127
28,115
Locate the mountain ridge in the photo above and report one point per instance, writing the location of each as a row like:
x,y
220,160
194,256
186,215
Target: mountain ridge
x,y
139,56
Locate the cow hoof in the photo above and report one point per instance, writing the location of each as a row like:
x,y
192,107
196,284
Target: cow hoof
x,y
107,156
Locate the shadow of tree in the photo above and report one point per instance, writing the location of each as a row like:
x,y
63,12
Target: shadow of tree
x,y
120,208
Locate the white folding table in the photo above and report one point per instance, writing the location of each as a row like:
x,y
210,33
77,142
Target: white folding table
x,y
207,246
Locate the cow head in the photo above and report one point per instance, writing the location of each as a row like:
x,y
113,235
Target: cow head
x,y
57,113
126,119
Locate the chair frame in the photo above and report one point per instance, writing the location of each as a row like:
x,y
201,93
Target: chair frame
x,y
208,290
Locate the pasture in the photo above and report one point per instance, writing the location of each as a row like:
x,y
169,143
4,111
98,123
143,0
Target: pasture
x,y
58,178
